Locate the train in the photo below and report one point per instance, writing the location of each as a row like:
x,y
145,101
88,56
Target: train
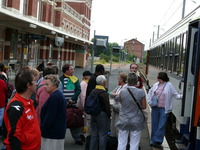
x,y
177,52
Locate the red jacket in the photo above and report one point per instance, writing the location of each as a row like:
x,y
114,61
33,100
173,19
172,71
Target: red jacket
x,y
3,91
23,131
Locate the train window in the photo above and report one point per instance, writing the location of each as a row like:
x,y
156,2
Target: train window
x,y
166,55
194,52
176,56
171,54
182,53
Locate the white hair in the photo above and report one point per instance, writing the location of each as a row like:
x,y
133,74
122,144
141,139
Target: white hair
x,y
101,79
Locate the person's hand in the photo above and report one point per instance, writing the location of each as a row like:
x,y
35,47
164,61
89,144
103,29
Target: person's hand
x,y
70,101
115,94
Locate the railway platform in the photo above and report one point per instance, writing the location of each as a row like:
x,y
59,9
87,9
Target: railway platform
x,y
112,78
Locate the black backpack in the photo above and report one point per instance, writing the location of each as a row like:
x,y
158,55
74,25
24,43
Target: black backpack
x,y
92,104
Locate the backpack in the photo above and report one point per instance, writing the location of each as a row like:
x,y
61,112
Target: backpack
x,y
92,104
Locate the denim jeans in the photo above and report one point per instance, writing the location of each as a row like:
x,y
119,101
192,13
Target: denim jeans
x,y
100,125
158,123
75,132
1,115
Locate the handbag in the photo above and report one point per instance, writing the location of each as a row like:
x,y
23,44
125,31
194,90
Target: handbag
x,y
75,117
116,107
136,102
154,99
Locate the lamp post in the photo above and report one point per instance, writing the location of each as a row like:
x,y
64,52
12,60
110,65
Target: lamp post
x,y
120,52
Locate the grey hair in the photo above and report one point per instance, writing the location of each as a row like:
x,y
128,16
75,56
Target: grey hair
x,y
101,79
132,79
53,78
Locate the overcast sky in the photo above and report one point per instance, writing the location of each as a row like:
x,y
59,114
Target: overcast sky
x,y
128,19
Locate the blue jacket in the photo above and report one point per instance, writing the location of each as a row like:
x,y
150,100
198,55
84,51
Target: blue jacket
x,y
53,117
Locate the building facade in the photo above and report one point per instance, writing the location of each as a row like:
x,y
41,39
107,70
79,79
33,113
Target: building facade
x,y
135,47
32,31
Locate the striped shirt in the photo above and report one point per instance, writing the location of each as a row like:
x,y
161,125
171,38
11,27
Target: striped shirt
x,y
68,93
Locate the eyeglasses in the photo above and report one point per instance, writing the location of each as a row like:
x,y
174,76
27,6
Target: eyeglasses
x,y
134,68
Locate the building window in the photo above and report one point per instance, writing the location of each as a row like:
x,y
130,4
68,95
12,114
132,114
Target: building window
x,y
5,3
25,8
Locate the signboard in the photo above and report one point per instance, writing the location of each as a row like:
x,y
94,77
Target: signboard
x,y
36,37
116,49
101,42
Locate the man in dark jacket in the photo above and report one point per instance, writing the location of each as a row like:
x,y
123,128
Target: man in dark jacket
x,y
99,70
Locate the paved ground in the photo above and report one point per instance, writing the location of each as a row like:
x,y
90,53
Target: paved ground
x,y
144,144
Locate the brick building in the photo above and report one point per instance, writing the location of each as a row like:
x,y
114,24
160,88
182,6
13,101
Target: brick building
x,y
135,47
51,30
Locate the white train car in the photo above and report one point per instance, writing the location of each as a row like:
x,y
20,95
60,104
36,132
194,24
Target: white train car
x,y
177,52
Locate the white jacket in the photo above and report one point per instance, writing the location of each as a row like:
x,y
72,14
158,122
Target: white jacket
x,y
170,92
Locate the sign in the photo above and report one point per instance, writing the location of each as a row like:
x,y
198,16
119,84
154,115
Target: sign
x,y
101,42
36,37
116,49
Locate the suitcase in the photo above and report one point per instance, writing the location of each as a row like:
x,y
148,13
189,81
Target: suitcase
x,y
112,143
75,117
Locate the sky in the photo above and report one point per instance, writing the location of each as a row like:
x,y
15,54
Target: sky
x,y
123,20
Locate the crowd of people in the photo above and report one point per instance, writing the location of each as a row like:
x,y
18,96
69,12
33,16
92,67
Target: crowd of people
x,y
35,117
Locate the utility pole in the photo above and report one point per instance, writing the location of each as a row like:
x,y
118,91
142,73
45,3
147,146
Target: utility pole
x,y
158,31
183,11
93,49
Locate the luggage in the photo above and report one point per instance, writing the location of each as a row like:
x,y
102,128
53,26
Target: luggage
x,y
112,143
75,117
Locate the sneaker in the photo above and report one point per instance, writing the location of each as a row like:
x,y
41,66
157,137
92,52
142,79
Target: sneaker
x,y
82,138
157,145
79,142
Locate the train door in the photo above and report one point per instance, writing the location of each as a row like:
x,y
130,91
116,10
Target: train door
x,y
195,118
190,63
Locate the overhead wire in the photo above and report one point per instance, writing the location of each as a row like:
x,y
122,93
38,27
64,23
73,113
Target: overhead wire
x,y
173,13
167,11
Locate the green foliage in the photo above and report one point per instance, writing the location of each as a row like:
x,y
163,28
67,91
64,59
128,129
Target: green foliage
x,y
131,57
105,57
115,59
102,61
145,57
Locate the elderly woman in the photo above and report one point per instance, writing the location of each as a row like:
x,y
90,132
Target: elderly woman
x,y
131,118
122,78
165,92
100,123
53,116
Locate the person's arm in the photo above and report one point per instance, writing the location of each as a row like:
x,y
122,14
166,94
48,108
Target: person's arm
x,y
105,98
113,94
174,92
77,91
82,94
143,104
14,112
